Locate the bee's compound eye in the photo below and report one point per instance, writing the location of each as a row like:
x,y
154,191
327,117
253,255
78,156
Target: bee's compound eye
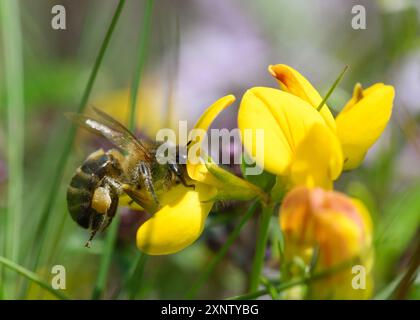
x,y
101,200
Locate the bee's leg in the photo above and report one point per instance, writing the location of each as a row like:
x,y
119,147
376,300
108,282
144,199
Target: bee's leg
x,y
113,184
114,191
96,221
146,175
179,173
104,203
92,235
89,242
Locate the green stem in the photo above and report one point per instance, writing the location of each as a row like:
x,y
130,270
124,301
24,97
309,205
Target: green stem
x,y
222,252
304,280
13,64
141,61
261,245
330,91
402,290
387,292
271,289
259,293
132,277
173,74
136,275
137,269
32,277
105,263
40,232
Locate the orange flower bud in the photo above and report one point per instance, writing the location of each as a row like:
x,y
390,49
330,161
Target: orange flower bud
x,y
339,229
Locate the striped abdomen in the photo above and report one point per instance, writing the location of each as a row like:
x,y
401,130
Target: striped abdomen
x,y
88,178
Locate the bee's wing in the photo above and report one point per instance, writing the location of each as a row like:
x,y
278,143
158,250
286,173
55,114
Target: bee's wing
x,y
104,125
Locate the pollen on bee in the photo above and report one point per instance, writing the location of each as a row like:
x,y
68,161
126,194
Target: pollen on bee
x,y
101,200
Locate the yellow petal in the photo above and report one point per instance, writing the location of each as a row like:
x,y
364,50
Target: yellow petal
x,y
361,123
356,97
292,81
198,171
318,159
284,120
213,111
178,223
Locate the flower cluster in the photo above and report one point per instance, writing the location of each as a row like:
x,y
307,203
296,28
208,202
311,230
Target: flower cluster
x,y
306,149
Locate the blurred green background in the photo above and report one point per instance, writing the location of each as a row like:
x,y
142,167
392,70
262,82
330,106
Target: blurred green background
x,y
197,51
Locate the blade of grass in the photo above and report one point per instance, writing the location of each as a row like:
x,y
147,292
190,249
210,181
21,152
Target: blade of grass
x,y
2,240
140,261
40,233
387,292
141,61
173,71
136,275
32,277
13,64
204,276
261,245
335,84
111,236
105,263
402,290
57,236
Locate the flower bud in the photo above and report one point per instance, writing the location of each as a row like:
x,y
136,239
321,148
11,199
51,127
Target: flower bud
x,y
339,230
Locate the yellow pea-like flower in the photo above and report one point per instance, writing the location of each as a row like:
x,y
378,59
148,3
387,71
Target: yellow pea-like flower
x,y
183,212
293,82
314,165
298,141
178,223
181,218
358,125
340,229
362,121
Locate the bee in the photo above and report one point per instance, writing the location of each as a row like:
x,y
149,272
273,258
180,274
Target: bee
x,y
132,168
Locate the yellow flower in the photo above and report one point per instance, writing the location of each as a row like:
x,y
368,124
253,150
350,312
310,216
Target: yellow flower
x,y
299,142
358,125
183,212
341,230
178,223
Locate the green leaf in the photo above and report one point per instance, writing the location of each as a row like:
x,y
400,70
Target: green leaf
x,y
32,277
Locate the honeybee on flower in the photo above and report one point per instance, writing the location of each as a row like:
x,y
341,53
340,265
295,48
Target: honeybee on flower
x,y
179,196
